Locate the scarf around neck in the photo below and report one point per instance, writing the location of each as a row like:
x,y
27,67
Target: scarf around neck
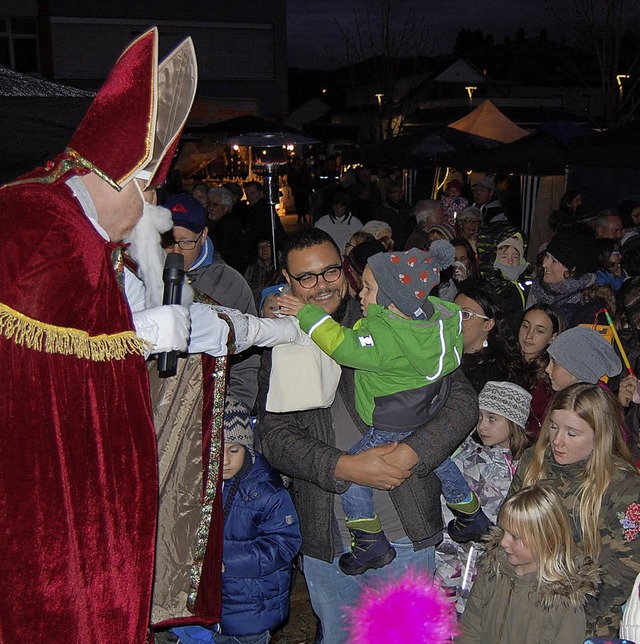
x,y
568,291
205,257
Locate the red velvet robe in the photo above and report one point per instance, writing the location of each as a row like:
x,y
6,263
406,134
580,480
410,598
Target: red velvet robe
x,y
78,473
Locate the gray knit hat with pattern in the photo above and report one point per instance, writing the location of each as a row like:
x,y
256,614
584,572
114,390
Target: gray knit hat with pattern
x,y
583,352
406,279
237,424
506,399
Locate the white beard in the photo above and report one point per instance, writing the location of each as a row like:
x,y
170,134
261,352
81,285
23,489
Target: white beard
x,y
146,250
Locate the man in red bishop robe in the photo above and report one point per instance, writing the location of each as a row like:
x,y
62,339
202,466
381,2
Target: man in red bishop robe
x,y
78,462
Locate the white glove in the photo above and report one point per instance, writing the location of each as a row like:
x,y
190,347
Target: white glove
x,y
266,332
134,291
209,333
252,331
166,328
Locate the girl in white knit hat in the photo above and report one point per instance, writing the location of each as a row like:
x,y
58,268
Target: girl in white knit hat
x,y
487,459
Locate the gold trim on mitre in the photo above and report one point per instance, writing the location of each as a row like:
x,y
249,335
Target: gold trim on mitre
x,y
48,338
80,161
116,136
176,91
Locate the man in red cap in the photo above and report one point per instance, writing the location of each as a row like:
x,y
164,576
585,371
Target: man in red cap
x,y
78,481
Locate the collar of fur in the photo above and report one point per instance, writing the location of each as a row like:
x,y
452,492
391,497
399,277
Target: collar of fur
x,y
571,592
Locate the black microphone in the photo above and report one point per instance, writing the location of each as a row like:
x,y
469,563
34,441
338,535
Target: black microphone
x,y
172,276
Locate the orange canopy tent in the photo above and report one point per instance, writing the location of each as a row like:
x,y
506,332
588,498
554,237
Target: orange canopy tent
x,y
489,122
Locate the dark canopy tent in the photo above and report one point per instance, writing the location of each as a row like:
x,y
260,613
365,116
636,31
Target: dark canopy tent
x,y
613,148
37,119
541,159
417,149
539,153
543,152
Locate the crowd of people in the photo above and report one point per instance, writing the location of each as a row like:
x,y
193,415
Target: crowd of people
x,y
528,332
388,364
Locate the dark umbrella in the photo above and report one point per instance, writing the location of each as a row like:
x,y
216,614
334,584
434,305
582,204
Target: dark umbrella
x,y
271,139
446,140
417,149
237,126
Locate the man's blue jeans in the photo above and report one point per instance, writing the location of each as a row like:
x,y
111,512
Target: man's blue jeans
x,y
330,590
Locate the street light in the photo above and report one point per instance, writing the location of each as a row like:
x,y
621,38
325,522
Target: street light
x,y
470,90
620,78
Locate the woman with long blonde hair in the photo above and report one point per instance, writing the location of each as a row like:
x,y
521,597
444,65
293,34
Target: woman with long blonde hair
x,y
581,454
532,585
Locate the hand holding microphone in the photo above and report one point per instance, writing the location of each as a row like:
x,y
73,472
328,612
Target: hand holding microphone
x,y
166,328
173,277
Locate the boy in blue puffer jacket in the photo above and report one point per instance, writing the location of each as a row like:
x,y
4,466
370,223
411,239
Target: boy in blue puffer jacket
x,y
261,537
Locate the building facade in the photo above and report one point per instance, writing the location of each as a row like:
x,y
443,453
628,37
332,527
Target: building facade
x,y
240,45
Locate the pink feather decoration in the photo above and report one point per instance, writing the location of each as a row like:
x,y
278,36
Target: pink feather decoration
x,y
409,610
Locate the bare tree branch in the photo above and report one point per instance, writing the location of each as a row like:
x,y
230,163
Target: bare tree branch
x,y
602,26
385,45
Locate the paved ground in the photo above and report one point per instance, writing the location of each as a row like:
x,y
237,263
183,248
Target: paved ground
x,y
301,626
290,223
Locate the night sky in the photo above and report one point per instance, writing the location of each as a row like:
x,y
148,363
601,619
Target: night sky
x,y
314,40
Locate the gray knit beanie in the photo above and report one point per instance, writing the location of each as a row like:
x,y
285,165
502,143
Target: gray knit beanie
x,y
506,399
237,424
583,352
406,279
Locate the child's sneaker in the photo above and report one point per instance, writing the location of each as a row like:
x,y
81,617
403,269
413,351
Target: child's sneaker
x,y
369,549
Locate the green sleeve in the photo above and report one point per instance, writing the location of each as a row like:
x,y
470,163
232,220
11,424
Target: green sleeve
x,y
348,347
572,626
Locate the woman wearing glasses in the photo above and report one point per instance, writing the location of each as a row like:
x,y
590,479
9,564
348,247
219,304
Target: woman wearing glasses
x,y
490,352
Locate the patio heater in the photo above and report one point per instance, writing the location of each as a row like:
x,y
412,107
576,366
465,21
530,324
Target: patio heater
x,y
269,159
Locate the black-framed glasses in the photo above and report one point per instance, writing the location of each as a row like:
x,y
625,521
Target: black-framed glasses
x,y
467,315
309,280
168,241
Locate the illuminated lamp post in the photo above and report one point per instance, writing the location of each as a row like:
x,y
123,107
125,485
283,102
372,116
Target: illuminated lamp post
x,y
470,90
269,159
620,78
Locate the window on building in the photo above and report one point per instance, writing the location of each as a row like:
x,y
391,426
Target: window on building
x,y
19,44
